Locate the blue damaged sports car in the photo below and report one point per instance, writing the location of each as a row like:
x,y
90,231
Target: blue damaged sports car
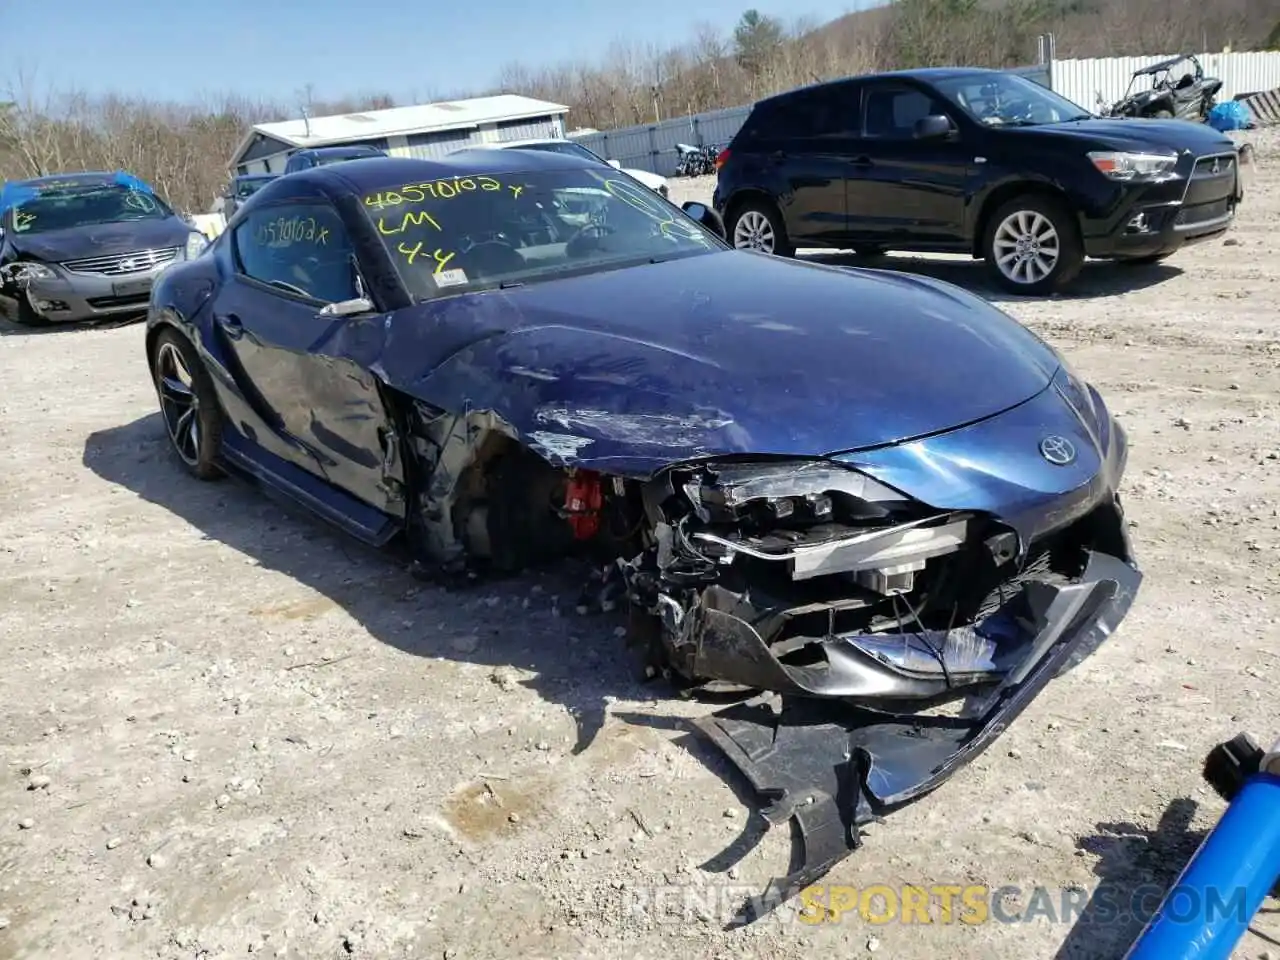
x,y
852,495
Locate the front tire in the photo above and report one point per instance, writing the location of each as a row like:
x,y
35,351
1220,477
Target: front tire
x,y
27,315
188,404
1162,115
757,225
1032,245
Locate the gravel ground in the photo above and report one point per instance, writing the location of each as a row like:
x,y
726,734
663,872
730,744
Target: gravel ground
x,y
225,729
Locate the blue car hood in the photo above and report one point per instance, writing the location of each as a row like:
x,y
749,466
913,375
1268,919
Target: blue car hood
x,y
733,352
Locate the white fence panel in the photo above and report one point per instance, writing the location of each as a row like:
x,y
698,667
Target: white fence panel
x,y
1240,73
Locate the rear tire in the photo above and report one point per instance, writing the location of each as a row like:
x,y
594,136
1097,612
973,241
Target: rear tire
x,y
188,404
757,225
1032,245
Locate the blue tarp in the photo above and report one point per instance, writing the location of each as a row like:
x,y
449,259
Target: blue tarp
x,y
1232,115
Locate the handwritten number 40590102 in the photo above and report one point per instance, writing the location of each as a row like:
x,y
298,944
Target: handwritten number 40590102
x,y
438,190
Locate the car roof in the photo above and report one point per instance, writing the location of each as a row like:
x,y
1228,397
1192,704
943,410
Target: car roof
x,y
86,177
516,144
341,148
920,73
383,173
1162,65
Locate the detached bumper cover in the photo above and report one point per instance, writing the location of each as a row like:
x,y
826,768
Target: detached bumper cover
x,y
832,767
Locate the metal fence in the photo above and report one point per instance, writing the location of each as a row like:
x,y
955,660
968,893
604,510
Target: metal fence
x,y
652,146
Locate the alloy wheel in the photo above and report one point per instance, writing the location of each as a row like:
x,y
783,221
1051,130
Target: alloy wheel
x,y
1026,247
753,231
179,404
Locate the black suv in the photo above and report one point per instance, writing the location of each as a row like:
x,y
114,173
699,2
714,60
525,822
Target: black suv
x,y
973,161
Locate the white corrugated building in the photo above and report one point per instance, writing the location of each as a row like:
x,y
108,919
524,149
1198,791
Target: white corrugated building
x,y
425,131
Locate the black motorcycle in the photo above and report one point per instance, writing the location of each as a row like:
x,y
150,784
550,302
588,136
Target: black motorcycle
x,y
695,161
1188,97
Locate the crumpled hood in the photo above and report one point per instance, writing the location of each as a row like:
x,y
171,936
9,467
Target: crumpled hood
x,y
102,240
732,352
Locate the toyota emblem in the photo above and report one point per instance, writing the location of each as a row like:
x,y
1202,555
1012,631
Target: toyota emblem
x,y
128,265
1058,450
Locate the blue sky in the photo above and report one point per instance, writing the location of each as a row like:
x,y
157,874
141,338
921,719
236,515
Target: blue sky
x,y
273,48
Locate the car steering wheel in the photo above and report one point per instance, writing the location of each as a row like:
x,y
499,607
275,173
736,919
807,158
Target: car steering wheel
x,y
578,243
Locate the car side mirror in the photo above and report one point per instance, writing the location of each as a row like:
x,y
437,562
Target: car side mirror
x,y
615,164
705,216
347,308
933,127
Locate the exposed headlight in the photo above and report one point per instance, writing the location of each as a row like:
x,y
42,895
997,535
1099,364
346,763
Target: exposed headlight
x,y
1133,166
812,491
196,244
22,270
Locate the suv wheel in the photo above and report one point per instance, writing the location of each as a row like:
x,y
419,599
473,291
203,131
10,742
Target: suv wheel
x,y
757,225
1032,245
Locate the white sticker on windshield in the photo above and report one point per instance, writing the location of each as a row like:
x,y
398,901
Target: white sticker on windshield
x,y
450,278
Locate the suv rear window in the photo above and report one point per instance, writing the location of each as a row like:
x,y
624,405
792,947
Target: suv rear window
x,y
830,110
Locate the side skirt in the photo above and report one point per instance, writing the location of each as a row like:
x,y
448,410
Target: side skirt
x,y
334,506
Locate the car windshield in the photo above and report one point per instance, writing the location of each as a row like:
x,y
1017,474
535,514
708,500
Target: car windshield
x,y
561,146
1006,99
86,207
247,188
480,231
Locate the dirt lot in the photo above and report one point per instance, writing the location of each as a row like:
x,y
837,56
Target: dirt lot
x,y
225,729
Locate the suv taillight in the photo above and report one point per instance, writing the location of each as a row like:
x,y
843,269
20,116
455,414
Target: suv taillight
x,y
722,158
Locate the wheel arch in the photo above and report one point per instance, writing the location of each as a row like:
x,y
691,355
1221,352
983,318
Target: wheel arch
x,y
744,196
1006,192
165,321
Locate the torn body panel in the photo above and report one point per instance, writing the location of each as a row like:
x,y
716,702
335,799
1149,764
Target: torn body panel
x,y
832,770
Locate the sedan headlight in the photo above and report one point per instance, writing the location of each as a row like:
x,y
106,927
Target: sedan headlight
x,y
1119,165
23,270
196,244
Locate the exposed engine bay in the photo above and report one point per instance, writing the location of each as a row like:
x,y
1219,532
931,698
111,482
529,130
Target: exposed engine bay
x,y
863,609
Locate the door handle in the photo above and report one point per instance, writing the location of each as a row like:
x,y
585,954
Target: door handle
x,y
862,161
230,322
779,155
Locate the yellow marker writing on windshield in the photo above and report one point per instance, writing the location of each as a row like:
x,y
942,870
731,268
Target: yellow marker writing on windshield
x,y
432,190
635,197
411,254
410,219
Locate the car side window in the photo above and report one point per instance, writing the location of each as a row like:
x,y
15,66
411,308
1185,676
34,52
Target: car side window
x,y
299,248
891,112
820,113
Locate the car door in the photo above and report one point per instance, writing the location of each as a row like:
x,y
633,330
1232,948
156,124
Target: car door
x,y
903,189
806,142
291,260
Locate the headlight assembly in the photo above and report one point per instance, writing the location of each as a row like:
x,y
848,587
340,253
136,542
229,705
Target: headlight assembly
x,y
1124,166
197,243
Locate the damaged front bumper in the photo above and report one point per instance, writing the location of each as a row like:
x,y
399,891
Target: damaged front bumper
x,y
831,767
